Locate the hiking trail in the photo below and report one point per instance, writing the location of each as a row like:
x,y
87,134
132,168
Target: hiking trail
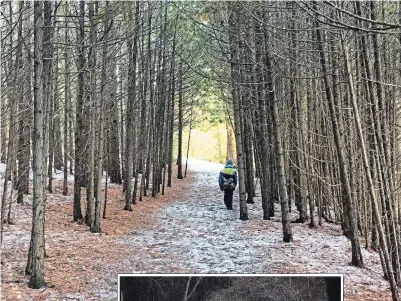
x,y
199,235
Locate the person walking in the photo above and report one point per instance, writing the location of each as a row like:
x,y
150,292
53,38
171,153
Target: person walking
x,y
228,180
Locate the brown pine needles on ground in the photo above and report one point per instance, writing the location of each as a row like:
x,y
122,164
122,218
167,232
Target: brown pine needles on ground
x,y
77,261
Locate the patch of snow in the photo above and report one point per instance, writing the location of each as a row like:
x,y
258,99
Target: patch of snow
x,y
59,175
2,168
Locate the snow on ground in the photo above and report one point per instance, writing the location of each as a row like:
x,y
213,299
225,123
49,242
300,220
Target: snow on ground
x,y
59,175
198,235
2,168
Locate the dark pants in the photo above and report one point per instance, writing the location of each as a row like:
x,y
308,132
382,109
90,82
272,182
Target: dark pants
x,y
228,198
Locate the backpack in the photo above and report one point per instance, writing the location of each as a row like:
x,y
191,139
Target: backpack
x,y
228,183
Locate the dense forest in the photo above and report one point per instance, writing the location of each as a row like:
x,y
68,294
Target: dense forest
x,y
308,92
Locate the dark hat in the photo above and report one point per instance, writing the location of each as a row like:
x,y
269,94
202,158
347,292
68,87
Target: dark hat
x,y
229,163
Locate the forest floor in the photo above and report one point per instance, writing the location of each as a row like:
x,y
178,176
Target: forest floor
x,y
188,230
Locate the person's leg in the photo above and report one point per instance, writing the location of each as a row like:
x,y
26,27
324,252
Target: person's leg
x,y
225,198
230,199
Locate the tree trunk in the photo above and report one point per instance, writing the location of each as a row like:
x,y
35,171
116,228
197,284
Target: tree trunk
x,y
172,105
230,147
67,100
180,113
285,219
132,55
57,141
114,166
237,112
24,152
79,143
48,35
189,140
91,102
36,279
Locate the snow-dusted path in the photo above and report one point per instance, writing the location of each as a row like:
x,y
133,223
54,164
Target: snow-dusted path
x,y
198,235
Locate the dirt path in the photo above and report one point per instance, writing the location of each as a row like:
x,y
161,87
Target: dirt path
x,y
187,231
